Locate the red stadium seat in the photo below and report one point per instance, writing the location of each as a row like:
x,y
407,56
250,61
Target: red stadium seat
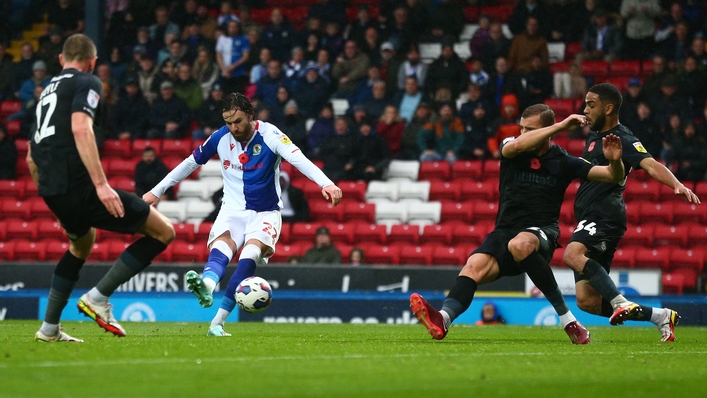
x,y
31,189
104,235
624,257
189,252
670,235
12,189
655,212
575,147
434,170
126,184
689,277
558,67
22,168
688,212
638,235
467,169
22,146
310,189
122,167
442,255
405,233
7,250
116,247
470,234
13,127
486,190
416,255
305,232
567,212
10,207
343,232
166,255
437,233
284,233
666,193
653,258
697,235
370,233
500,13
492,168
50,229
647,67
7,108
444,190
621,82
561,107
283,252
117,148
203,230
456,211
3,230
572,50
625,68
485,210
673,282
21,229
185,231
471,14
26,250
180,148
320,210
637,190
55,249
359,211
345,250
99,252
687,258
353,190
38,208
595,68
384,255
140,144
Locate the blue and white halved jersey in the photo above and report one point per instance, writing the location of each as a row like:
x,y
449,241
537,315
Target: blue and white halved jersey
x,y
251,170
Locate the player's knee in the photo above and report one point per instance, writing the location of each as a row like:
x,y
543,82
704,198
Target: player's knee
x,y
165,232
572,257
520,248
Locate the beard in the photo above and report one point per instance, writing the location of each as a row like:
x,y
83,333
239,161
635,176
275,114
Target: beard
x,y
598,124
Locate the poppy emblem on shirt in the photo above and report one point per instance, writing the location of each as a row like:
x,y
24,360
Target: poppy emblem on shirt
x,y
243,158
256,149
233,146
591,146
226,164
534,163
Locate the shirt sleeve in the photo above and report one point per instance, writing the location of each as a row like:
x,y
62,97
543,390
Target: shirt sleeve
x,y
281,145
576,167
88,92
633,151
175,176
503,143
209,148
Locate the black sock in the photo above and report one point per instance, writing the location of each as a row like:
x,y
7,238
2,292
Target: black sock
x,y
607,310
459,297
644,315
599,279
539,272
65,276
133,260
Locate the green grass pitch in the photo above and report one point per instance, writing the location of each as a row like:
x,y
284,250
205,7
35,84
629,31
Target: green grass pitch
x,y
307,360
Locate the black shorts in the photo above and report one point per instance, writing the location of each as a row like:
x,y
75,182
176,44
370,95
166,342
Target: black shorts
x,y
496,244
80,209
600,236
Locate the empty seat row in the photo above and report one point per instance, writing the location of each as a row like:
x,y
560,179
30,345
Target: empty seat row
x,y
133,148
443,170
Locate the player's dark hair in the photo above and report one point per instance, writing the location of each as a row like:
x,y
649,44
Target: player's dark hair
x,y
547,115
237,101
78,48
608,93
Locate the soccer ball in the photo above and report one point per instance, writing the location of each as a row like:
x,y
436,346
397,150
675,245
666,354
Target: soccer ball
x,y
253,294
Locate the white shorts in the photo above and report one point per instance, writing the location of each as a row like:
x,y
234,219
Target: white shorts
x,y
245,225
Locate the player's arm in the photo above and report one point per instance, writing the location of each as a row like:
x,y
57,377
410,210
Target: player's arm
x,y
614,173
33,169
662,174
179,173
529,140
82,127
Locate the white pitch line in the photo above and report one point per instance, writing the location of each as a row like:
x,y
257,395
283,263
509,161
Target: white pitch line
x,y
159,361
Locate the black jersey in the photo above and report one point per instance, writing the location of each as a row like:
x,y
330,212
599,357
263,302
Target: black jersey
x,y
533,187
602,195
53,146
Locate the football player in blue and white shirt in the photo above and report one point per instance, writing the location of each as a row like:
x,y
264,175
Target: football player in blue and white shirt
x,y
250,152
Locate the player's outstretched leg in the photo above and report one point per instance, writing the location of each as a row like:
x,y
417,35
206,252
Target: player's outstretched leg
x,y
664,319
428,316
250,255
59,337
197,286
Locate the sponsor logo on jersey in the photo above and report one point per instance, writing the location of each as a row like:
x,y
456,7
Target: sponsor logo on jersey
x,y
285,140
93,98
233,146
639,147
591,146
226,164
256,149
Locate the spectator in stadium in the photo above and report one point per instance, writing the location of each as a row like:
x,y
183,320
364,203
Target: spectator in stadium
x,y
475,100
118,68
8,155
442,138
294,203
350,69
677,45
506,125
409,150
205,71
671,136
570,84
364,89
6,66
501,82
293,125
311,92
149,172
169,52
490,315
28,119
477,74
329,11
332,40
477,131
375,105
209,116
261,69
669,102
339,151
207,22
497,46
185,14
163,26
24,68
408,99
39,78
390,127
652,84
601,41
480,37
193,40
413,66
646,129
447,70
146,76
524,10
323,64
357,257
389,66
280,36
323,251
697,50
232,53
639,20
67,16
169,116
691,83
525,45
296,65
312,26
256,45
268,84
446,19
669,21
373,154
167,72
322,128
399,32
442,96
690,150
130,113
558,13
49,50
371,46
144,43
311,47
538,84
121,29
216,199
226,13
358,28
631,98
187,88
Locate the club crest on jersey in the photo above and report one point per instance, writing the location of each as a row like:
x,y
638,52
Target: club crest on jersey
x,y
226,164
92,98
535,163
591,146
256,149
285,140
639,147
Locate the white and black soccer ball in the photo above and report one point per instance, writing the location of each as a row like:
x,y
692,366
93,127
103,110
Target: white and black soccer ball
x,y
253,294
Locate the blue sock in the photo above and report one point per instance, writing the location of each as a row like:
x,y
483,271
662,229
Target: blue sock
x,y
215,267
246,268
